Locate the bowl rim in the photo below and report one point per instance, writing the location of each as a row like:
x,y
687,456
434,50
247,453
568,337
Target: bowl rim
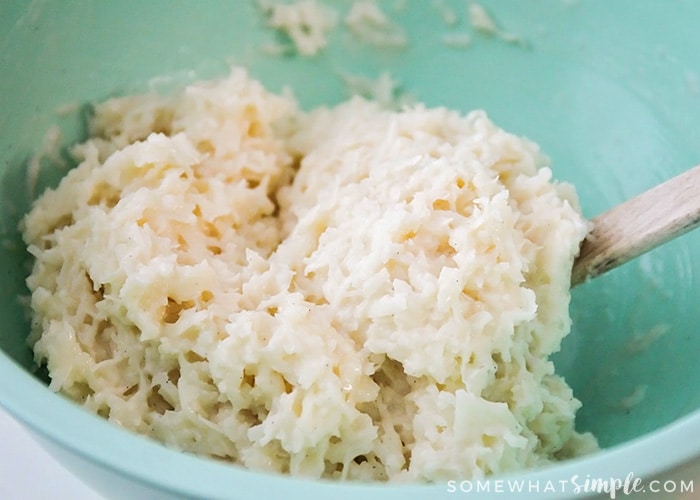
x,y
152,464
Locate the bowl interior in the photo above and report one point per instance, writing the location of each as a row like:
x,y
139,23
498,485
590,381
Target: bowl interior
x,y
610,90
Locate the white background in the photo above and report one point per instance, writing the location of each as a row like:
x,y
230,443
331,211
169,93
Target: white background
x,y
27,472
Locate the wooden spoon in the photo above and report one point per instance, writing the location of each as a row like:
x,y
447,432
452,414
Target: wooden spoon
x,y
639,225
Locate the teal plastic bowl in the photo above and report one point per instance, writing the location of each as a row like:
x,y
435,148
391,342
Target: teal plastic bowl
x,y
610,90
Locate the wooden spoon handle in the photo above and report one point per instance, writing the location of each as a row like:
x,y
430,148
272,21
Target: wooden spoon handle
x,y
639,225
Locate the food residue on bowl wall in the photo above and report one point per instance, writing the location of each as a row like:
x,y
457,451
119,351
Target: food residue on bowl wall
x,y
307,25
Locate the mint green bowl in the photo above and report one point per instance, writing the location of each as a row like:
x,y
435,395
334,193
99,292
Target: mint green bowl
x,y
610,90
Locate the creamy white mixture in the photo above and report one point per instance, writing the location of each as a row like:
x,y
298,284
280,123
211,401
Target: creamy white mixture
x,y
346,293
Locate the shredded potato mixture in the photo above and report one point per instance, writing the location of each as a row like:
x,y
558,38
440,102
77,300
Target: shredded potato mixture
x,y
344,293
